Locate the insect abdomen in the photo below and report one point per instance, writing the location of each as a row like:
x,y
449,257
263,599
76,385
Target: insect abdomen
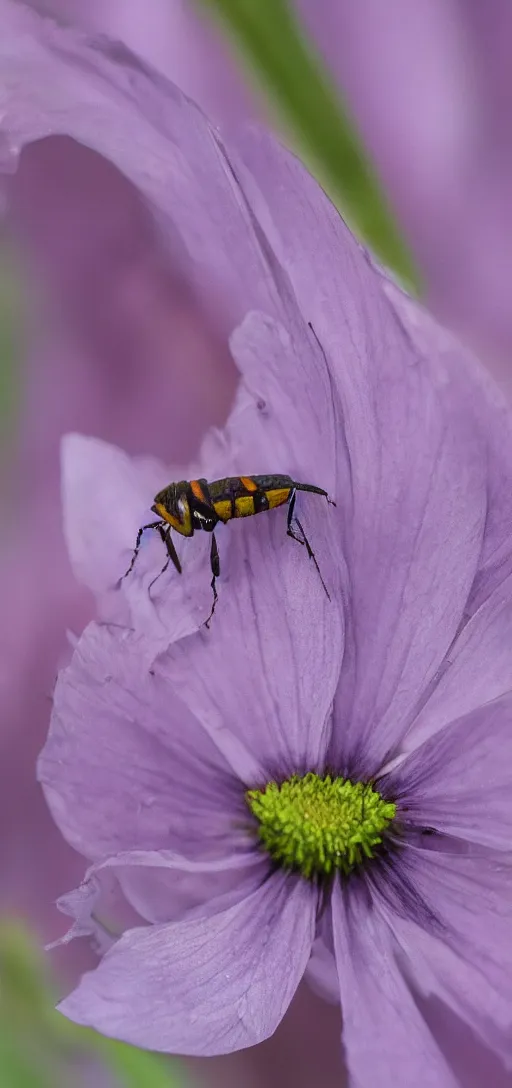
x,y
243,496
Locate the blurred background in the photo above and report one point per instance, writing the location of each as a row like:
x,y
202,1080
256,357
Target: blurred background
x,y
99,333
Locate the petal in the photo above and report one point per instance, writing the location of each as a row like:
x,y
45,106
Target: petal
x,y
208,986
473,1063
458,781
385,1037
418,417
464,956
100,912
106,498
92,473
267,669
127,766
476,670
140,886
413,564
164,887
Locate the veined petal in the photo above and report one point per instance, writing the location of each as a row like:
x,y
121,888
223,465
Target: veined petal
x,y
207,986
419,420
459,780
476,670
283,640
385,1037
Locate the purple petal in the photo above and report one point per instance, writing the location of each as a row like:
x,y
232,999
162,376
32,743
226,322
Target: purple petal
x,y
458,781
141,886
385,1037
267,670
127,766
476,670
206,986
100,911
419,418
92,472
164,887
464,956
474,1064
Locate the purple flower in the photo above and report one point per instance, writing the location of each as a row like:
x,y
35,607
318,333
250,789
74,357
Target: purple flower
x,y
185,764
213,779
166,739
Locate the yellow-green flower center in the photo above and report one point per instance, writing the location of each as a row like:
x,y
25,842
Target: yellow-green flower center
x,y
318,825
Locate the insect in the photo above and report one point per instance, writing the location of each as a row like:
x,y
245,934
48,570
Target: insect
x,y
196,504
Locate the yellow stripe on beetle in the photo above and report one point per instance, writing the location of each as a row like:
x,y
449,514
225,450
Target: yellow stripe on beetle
x,y
244,506
278,497
223,509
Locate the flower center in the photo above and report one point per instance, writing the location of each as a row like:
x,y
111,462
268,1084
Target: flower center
x,y
317,825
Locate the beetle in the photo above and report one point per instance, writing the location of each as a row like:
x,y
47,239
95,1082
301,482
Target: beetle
x,y
191,505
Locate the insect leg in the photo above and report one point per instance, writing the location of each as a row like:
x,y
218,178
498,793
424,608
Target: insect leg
x,y
303,538
171,553
152,525
215,568
312,556
291,519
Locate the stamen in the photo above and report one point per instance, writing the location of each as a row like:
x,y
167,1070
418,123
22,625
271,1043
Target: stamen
x,y
319,825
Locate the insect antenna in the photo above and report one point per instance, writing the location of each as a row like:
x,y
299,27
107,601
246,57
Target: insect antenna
x,y
172,555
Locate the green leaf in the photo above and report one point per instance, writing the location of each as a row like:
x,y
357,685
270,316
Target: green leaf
x,y
270,37
39,1048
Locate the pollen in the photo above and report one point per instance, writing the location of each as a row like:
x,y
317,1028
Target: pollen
x,y
317,826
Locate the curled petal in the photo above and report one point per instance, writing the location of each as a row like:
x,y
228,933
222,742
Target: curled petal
x,y
140,886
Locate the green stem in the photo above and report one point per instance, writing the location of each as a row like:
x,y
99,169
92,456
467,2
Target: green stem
x,y
270,36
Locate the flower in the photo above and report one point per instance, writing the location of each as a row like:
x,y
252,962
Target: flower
x,y
183,763
377,405
206,776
